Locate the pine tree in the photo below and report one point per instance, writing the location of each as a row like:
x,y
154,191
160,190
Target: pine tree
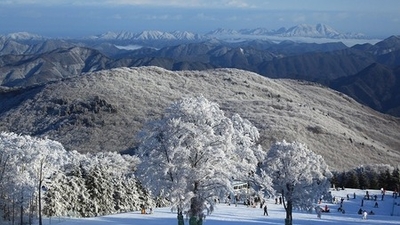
x,y
363,179
395,180
352,180
374,180
342,179
384,179
334,180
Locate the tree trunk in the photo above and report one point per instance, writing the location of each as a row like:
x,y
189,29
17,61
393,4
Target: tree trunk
x,y
40,191
40,202
180,219
289,208
22,210
196,211
288,205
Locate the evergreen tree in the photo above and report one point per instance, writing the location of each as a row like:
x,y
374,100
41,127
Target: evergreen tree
x,y
352,180
363,180
342,179
374,180
395,180
334,180
384,179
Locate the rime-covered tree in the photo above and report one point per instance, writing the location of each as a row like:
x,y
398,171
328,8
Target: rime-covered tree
x,y
30,161
194,152
75,184
94,185
298,174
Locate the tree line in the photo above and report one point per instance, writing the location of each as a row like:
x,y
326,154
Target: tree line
x,y
369,177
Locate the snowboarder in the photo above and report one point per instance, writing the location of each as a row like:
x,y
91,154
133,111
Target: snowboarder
x,y
265,210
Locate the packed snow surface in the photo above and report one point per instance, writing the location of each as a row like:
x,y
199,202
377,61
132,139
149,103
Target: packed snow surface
x,y
242,215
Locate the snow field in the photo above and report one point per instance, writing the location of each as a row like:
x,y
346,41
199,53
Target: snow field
x,y
242,215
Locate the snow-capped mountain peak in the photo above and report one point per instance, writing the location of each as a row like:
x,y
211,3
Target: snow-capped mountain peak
x,y
303,30
317,31
222,31
24,36
185,35
155,35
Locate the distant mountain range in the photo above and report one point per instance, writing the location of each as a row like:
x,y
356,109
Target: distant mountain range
x,y
302,30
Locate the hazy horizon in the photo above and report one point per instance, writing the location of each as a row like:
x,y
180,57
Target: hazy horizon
x,y
77,18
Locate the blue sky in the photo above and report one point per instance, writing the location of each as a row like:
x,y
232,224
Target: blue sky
x,y
77,18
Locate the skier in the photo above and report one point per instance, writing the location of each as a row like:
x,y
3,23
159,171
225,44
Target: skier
x,y
265,210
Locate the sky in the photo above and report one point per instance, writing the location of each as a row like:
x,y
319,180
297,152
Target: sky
x,y
78,18
242,215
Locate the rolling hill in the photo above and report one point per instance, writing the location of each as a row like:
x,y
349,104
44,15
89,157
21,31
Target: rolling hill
x,y
104,110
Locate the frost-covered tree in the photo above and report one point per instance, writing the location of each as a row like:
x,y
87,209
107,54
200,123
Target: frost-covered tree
x,y
72,184
28,162
95,184
299,175
192,155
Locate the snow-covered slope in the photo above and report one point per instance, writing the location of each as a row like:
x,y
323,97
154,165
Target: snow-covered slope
x,y
103,111
242,215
